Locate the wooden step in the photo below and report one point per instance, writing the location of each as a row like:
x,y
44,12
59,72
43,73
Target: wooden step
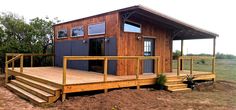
x,y
37,92
176,86
39,85
26,95
180,90
174,81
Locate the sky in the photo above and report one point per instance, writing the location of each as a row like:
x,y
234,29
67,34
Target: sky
x,y
217,16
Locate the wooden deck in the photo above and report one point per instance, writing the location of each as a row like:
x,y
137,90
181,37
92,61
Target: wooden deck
x,y
54,75
46,78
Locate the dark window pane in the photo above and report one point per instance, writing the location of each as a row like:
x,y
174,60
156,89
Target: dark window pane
x,y
95,29
77,31
132,27
62,33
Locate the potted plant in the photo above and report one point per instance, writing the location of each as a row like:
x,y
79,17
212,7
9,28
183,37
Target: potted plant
x,y
161,80
190,81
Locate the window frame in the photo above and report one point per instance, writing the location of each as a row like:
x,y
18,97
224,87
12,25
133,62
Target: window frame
x,y
95,24
64,36
133,23
75,28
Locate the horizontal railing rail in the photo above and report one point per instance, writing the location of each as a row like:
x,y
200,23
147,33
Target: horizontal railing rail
x,y
106,58
16,56
192,58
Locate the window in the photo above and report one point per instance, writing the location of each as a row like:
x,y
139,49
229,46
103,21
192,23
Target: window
x,y
147,48
96,29
77,31
62,33
132,27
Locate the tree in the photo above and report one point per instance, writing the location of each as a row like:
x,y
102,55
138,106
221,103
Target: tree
x,y
18,36
176,54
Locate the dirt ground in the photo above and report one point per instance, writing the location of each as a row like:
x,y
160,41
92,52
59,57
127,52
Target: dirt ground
x,y
220,96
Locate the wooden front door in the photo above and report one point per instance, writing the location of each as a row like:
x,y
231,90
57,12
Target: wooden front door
x,y
96,48
149,48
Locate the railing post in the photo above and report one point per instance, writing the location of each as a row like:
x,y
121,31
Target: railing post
x,y
137,72
213,65
64,78
21,63
13,63
157,66
191,66
31,60
178,66
105,72
64,70
6,72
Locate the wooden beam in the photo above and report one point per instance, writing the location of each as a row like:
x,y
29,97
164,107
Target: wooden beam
x,y
64,70
63,97
21,63
137,72
182,54
178,66
191,66
31,61
6,73
214,55
13,63
105,72
214,47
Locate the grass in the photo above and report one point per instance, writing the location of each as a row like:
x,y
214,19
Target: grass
x,y
225,68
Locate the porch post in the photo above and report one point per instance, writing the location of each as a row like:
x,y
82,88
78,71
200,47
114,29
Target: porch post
x,y
214,47
182,54
214,55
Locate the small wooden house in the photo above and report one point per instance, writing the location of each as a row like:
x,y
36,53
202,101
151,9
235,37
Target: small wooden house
x,y
122,48
132,31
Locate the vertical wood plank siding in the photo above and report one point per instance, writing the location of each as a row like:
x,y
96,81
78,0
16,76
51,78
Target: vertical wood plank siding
x,y
127,43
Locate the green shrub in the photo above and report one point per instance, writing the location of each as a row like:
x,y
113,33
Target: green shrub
x,y
161,79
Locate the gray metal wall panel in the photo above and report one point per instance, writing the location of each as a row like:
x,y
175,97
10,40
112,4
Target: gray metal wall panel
x,y
111,50
78,48
62,48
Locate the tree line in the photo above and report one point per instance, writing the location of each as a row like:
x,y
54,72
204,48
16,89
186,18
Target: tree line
x,y
20,36
218,55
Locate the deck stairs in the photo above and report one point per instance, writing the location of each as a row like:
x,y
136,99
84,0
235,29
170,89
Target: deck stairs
x,y
36,92
175,84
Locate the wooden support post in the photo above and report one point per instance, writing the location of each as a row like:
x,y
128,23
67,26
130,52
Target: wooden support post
x,y
191,66
64,70
214,59
105,72
214,54
137,73
178,66
31,60
214,47
6,72
13,63
182,54
156,66
21,63
63,97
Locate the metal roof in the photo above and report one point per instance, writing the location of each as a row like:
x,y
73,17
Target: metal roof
x,y
180,29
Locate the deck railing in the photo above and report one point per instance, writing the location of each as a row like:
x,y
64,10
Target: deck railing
x,y
107,58
191,59
16,56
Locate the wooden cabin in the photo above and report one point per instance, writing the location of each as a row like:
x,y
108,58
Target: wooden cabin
x,y
133,31
122,48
